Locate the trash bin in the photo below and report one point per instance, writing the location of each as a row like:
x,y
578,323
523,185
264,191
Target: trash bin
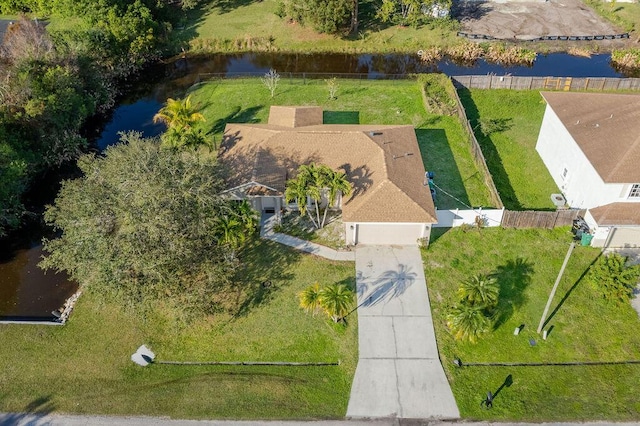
x,y
586,238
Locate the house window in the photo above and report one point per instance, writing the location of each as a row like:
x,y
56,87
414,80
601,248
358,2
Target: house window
x,y
635,191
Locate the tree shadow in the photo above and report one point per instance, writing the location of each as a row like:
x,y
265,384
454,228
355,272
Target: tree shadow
x,y
264,271
470,10
226,6
360,179
513,278
367,19
34,414
386,286
187,28
568,293
438,158
341,117
490,152
238,115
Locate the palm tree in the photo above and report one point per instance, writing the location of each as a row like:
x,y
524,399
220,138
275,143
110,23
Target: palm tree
x,y
336,301
310,299
296,191
247,215
178,114
231,231
336,183
312,182
481,290
468,322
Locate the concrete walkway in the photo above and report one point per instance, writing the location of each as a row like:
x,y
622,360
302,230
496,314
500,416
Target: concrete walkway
x,y
399,372
266,231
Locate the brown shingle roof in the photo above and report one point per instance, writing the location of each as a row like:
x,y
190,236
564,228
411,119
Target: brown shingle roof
x,y
607,129
617,214
383,163
288,116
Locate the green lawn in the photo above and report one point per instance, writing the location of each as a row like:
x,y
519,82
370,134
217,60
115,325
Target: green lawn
x,y
84,366
518,172
441,138
585,328
224,26
624,15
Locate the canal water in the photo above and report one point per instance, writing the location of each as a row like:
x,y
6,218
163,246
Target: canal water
x,y
27,293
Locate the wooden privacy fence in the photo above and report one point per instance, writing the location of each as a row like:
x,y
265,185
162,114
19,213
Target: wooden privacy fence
x,y
539,219
545,83
478,157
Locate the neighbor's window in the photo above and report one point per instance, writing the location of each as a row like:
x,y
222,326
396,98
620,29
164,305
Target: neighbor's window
x,y
635,191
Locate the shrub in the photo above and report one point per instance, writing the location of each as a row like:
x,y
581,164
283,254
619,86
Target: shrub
x,y
468,322
614,278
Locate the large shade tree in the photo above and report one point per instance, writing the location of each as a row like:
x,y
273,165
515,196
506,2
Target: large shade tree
x,y
146,224
321,185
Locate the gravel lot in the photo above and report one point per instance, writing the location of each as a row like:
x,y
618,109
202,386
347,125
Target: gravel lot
x,y
524,20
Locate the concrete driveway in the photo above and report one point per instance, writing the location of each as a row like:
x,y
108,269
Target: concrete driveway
x,y
399,373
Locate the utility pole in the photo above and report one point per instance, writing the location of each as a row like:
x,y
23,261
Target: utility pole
x,y
555,286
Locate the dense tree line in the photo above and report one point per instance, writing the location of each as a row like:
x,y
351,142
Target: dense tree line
x,y
51,82
341,16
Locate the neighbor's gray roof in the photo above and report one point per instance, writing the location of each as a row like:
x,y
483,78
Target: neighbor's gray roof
x,y
617,214
383,163
606,127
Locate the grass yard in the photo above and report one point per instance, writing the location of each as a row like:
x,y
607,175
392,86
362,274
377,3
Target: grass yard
x,y
625,15
518,172
441,138
227,26
85,367
585,328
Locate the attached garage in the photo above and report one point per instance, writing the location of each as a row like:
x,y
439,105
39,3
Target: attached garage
x,y
615,225
624,237
386,233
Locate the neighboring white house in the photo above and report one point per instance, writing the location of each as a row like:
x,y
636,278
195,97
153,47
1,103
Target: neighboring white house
x,y
390,203
590,143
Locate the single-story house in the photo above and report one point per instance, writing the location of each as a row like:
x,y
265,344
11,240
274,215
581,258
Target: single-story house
x,y
390,202
590,143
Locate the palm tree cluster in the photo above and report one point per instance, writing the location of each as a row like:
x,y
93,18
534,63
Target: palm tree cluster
x,y
236,225
335,300
475,311
180,116
317,183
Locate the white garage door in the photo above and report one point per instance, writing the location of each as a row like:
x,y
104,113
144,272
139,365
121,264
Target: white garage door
x,y
625,237
389,233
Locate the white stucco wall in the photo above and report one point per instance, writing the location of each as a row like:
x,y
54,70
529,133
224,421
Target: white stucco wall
x,y
453,218
583,188
385,233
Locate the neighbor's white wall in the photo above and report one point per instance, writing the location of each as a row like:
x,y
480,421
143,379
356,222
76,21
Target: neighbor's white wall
x,y
583,188
453,218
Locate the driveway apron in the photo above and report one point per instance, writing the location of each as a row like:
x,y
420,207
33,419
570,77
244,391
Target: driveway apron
x,y
399,372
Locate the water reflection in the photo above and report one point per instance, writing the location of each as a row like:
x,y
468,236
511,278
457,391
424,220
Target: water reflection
x,y
26,293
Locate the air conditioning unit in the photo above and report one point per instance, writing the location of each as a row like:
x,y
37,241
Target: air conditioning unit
x,y
558,200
